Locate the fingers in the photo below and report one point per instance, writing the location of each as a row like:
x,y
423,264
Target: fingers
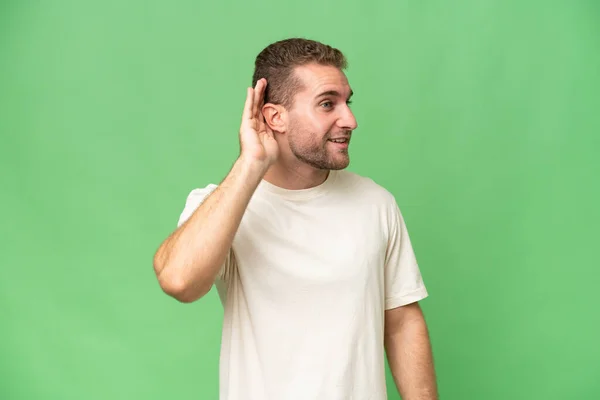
x,y
263,89
254,100
249,104
257,97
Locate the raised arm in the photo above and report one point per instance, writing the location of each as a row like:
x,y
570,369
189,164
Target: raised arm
x,y
188,260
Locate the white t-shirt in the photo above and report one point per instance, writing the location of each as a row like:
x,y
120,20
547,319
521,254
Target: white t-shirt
x,y
305,288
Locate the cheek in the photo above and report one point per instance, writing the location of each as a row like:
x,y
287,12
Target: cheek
x,y
311,126
319,123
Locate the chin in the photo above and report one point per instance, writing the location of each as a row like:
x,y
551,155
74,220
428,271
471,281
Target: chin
x,y
324,161
338,165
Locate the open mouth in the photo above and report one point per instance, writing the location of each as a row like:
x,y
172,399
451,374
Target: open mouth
x,y
340,140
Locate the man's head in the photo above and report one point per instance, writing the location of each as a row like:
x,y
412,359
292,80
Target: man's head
x,y
306,101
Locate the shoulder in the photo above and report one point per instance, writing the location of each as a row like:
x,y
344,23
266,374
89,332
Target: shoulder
x,y
365,187
193,200
197,195
364,191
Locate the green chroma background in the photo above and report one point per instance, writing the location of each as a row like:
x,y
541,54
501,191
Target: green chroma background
x,y
480,116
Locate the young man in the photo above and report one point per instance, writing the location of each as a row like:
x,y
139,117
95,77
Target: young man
x,y
313,264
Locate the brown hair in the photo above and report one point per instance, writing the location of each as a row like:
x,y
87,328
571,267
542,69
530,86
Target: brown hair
x,y
277,61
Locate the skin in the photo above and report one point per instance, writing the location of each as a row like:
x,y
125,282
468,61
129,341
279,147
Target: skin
x,y
409,353
302,132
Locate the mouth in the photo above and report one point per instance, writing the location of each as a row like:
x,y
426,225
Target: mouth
x,y
340,142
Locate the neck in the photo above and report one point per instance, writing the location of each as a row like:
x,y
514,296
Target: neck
x,y
295,177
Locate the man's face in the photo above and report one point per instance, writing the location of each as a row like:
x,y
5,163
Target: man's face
x,y
320,120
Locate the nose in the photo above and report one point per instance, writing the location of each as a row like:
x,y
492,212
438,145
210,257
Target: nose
x,y
347,120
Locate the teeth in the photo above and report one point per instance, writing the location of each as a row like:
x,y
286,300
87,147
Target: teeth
x,y
338,140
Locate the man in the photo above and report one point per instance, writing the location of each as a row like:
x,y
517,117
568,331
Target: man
x,y
313,264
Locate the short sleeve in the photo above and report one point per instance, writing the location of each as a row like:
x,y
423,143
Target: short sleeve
x,y
403,281
193,201
195,198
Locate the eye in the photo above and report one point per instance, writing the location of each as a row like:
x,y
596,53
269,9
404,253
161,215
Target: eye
x,y
349,102
326,104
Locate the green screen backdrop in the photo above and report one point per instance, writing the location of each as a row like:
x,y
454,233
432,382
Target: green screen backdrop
x,y
481,117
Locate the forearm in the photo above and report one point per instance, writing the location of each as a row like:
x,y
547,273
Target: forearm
x,y
188,261
411,361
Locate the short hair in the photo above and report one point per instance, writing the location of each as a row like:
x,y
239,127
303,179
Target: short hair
x,y
277,62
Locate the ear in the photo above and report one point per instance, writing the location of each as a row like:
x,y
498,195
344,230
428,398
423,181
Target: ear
x,y
275,117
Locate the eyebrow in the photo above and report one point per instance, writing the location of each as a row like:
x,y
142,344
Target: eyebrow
x,y
334,93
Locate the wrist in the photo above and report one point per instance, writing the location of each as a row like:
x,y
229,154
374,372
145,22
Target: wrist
x,y
251,168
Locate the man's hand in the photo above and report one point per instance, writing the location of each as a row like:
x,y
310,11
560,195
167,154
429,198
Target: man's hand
x,y
257,142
